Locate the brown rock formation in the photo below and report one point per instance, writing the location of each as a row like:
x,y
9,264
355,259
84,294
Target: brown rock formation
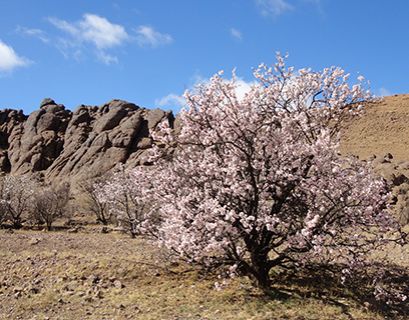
x,y
72,145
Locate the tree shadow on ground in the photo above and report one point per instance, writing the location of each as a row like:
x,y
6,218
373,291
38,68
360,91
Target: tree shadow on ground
x,y
379,287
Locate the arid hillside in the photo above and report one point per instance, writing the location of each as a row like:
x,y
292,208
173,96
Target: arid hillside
x,y
382,129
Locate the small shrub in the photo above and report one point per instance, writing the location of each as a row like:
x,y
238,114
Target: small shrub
x,y
50,203
16,196
92,202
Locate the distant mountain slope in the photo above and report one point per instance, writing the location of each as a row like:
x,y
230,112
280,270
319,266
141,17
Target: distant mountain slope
x,y
384,128
87,142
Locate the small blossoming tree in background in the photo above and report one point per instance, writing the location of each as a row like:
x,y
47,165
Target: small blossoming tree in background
x,y
93,202
16,197
49,204
121,195
257,182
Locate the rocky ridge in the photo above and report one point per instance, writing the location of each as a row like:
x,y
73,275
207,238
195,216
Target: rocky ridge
x,y
60,144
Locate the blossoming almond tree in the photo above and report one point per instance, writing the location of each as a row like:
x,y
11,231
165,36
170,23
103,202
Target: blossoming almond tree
x,y
50,203
121,194
258,182
16,195
91,190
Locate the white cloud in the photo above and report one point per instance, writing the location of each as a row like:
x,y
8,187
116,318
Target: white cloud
x,y
35,33
147,36
9,59
178,101
106,58
243,87
69,49
273,8
101,32
97,32
65,26
383,92
236,33
94,29
171,100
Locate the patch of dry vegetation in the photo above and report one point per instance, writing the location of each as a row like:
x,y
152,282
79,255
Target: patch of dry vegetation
x,y
86,275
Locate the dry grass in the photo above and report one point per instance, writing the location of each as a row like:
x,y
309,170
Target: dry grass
x,y
109,276
382,129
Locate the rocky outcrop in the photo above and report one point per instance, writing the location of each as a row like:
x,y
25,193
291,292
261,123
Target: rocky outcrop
x,y
396,173
73,145
40,138
11,126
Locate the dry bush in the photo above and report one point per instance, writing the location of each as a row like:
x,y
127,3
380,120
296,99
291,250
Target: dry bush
x,y
16,194
92,203
50,203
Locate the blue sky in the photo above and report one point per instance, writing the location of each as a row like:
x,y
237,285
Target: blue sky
x,y
150,51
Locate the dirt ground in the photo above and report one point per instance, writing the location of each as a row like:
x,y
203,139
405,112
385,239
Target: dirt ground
x,y
91,275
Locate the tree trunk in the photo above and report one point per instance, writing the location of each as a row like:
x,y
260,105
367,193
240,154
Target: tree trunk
x,y
102,221
261,270
17,224
263,280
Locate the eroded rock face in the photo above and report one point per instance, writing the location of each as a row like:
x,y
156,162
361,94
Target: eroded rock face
x,y
40,140
11,126
75,145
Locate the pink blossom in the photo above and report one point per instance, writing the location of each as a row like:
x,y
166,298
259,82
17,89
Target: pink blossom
x,y
258,182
